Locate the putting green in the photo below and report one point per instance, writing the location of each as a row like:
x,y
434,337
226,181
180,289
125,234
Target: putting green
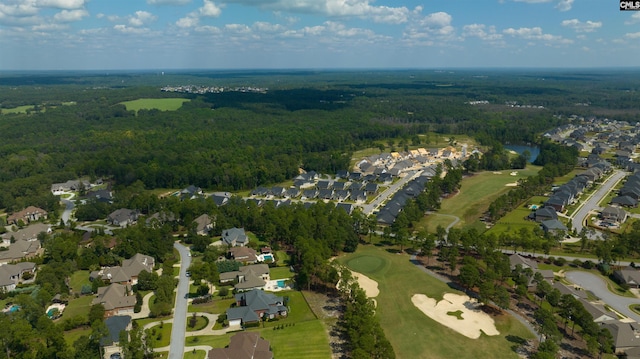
x,y
366,264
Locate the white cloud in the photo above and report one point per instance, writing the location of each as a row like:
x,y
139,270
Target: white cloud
x,y
168,2
482,32
141,18
535,33
208,9
49,27
61,4
130,30
70,15
335,8
267,27
435,26
562,5
633,19
578,26
18,9
632,35
237,28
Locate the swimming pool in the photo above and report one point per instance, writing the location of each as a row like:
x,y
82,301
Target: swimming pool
x,y
14,308
268,257
281,284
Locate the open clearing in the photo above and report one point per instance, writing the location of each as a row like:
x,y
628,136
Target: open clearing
x,y
162,104
457,312
19,109
412,334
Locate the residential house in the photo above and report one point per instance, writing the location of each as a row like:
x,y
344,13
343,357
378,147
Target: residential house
x,y
243,254
245,345
158,219
628,276
254,305
69,186
123,217
292,193
309,194
191,192
553,226
544,214
128,273
220,198
102,195
346,206
625,201
342,174
249,277
371,188
339,186
12,274
116,298
613,216
29,233
235,237
518,260
260,192
598,312
27,215
278,191
324,184
626,336
341,195
204,224
359,196
19,250
325,193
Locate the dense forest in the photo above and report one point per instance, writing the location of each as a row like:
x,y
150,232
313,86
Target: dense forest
x,y
236,140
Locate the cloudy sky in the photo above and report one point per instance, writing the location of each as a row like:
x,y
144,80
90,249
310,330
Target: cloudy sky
x,y
225,34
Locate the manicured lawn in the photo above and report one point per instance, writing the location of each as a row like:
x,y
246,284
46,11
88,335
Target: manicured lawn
x,y
198,354
78,279
78,306
513,221
412,334
283,258
162,104
160,337
477,192
216,306
71,336
280,273
201,323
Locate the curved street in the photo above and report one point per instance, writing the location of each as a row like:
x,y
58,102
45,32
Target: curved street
x,y
579,217
176,348
598,287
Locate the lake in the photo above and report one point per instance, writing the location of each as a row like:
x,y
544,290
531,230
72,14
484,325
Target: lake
x,y
534,151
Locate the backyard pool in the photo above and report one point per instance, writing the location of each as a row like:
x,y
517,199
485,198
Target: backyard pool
x,y
268,257
281,283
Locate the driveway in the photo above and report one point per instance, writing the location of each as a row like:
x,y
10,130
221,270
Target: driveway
x,y
176,349
598,287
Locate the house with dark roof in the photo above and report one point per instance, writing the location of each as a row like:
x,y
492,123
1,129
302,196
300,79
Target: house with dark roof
x,y
254,305
245,345
158,219
544,214
359,196
116,298
325,193
309,194
191,192
260,192
629,276
346,206
115,325
342,174
324,184
371,188
277,191
235,237
626,336
339,186
553,226
292,193
557,203
341,195
625,201
220,198
122,217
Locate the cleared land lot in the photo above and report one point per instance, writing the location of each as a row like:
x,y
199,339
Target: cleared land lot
x,y
162,104
411,332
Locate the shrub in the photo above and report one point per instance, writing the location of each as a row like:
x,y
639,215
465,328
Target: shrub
x,y
588,264
223,292
560,261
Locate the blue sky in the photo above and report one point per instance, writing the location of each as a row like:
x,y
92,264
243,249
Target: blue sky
x,y
256,34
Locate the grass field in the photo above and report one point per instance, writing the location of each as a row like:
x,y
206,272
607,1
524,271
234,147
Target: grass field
x,y
476,194
198,354
280,273
412,334
78,306
19,109
162,104
160,337
513,221
71,336
78,279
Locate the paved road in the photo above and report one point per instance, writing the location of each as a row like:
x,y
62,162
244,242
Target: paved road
x,y
598,287
176,349
68,207
367,209
591,203
568,258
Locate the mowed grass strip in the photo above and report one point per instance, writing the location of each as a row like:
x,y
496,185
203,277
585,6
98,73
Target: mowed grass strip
x,y
478,191
162,104
15,110
413,334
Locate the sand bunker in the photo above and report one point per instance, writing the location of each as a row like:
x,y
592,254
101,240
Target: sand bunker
x,y
473,321
369,285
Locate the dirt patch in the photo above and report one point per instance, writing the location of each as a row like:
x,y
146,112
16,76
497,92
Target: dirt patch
x,y
470,321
